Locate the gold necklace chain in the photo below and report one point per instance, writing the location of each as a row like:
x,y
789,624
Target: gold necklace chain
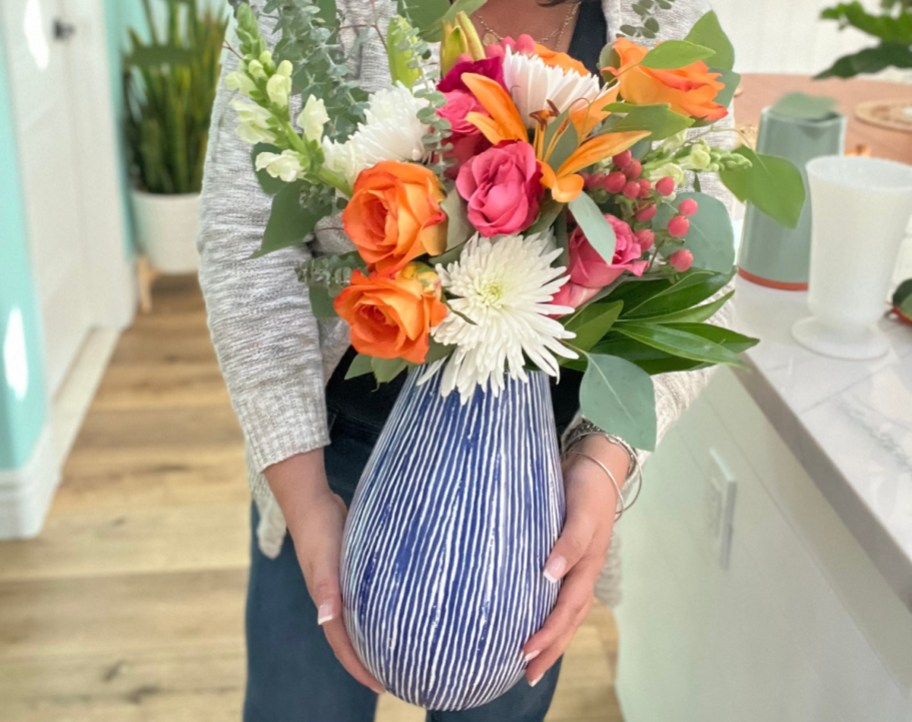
x,y
555,35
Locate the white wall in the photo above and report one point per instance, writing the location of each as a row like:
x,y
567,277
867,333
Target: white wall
x,y
786,36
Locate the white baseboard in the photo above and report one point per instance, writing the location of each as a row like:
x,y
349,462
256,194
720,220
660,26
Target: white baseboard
x,y
26,493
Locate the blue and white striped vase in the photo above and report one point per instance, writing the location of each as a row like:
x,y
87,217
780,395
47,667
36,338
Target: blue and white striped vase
x,y
446,540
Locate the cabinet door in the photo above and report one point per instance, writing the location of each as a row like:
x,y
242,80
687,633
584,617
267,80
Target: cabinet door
x,y
43,70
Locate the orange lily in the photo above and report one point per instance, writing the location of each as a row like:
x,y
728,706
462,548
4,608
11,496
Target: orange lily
x,y
503,123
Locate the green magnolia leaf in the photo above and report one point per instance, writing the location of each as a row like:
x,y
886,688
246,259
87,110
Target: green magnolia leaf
x,y
619,397
708,32
270,185
805,107
661,296
598,230
321,302
711,238
774,185
289,222
677,341
592,322
659,120
361,365
673,54
696,314
459,230
386,369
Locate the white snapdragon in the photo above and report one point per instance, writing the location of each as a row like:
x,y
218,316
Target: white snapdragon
x,y
313,118
253,123
256,70
667,170
240,82
278,87
286,166
699,158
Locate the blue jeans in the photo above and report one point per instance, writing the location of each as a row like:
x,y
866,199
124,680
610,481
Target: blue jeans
x,y
292,674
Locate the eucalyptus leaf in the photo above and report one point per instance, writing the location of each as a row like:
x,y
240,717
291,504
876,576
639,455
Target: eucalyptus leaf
x,y
673,54
598,230
708,32
774,185
289,222
619,397
711,237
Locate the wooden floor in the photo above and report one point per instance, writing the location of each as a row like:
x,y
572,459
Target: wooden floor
x,y
129,606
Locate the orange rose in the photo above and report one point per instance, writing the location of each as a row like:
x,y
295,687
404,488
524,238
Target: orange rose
x,y
554,59
392,316
690,90
394,215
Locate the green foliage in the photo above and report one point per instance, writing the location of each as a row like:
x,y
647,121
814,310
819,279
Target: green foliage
x,y
675,54
326,276
429,16
802,106
591,323
708,32
619,397
711,238
647,10
169,88
774,185
892,29
659,120
599,231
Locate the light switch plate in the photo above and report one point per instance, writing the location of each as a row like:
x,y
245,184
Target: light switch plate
x,y
719,506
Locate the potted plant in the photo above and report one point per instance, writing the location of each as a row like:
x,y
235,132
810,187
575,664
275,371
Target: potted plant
x,y
170,79
892,29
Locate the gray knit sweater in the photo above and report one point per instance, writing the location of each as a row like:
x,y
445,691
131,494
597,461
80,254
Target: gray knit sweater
x,y
274,355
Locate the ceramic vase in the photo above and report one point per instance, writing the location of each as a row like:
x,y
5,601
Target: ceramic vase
x,y
166,229
862,208
771,254
446,540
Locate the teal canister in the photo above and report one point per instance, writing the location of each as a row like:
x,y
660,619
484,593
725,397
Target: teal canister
x,y
771,254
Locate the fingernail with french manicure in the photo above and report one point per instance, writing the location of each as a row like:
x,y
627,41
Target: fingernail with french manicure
x,y
324,613
536,680
554,569
530,656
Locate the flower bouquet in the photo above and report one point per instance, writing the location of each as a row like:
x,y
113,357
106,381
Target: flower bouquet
x,y
512,213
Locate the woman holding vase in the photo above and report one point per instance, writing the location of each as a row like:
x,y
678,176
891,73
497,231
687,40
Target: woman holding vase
x,y
309,432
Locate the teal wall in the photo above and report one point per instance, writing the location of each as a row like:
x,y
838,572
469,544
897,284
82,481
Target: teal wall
x,y
23,397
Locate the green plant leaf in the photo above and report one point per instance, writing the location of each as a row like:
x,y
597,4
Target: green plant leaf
x,y
870,60
805,107
592,322
321,302
289,222
886,27
731,340
677,341
459,230
774,185
673,54
659,120
711,238
695,314
270,185
731,80
619,397
708,33
661,296
402,60
550,210
361,365
598,231
386,369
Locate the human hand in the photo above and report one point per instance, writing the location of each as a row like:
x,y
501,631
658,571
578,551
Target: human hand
x,y
579,554
316,518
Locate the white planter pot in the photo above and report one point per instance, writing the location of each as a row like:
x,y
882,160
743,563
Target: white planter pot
x,y
167,226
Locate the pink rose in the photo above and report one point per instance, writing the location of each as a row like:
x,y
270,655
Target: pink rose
x,y
465,138
489,67
573,295
588,268
503,188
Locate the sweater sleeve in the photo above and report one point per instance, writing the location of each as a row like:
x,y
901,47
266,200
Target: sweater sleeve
x,y
259,317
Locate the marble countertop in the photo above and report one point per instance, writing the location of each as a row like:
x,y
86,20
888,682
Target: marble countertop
x,y
848,422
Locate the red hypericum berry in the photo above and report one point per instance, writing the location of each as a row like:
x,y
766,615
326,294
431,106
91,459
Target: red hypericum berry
x,y
615,182
646,238
647,213
678,227
632,190
688,207
622,159
666,186
633,170
645,187
681,260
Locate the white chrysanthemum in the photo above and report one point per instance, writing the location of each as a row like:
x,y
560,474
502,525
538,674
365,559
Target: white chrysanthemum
x,y
391,131
500,291
532,84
